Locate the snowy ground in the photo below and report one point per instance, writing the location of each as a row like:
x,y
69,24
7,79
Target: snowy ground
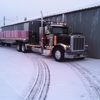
x,y
24,75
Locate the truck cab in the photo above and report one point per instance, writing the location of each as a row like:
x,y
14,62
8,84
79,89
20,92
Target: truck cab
x,y
59,43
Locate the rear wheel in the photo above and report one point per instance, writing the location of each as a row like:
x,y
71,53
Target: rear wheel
x,y
8,44
2,44
23,48
58,54
82,58
18,46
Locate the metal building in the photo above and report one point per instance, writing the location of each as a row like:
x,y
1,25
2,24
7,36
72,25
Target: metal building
x,y
86,21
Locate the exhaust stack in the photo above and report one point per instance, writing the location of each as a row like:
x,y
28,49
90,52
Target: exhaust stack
x,y
41,34
63,17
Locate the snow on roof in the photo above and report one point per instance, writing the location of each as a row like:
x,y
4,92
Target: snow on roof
x,y
79,8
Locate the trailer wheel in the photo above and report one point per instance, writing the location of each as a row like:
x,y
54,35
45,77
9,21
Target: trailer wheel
x,y
3,44
23,48
0,42
18,46
8,44
82,58
58,54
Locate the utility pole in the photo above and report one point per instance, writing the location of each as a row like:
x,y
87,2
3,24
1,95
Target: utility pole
x,y
4,20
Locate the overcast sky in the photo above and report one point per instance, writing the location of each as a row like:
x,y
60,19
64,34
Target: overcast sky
x,y
14,10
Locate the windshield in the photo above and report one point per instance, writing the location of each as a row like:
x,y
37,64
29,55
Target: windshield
x,y
60,30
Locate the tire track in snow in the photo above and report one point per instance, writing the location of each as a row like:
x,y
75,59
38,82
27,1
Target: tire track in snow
x,y
91,82
41,85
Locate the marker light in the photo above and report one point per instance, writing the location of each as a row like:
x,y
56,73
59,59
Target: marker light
x,y
65,24
51,22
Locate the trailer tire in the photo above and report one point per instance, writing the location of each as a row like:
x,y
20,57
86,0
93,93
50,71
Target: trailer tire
x,y
58,54
3,44
18,46
9,45
82,58
23,48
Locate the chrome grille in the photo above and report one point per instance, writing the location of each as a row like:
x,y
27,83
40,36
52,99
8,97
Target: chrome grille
x,y
78,43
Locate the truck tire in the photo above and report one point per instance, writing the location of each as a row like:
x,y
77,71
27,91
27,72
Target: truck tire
x,y
8,44
18,46
58,54
23,48
82,58
3,44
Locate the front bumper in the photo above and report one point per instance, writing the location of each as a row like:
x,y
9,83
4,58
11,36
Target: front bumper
x,y
73,55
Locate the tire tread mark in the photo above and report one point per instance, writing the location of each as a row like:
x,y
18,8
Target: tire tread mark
x,y
47,81
32,90
41,86
96,83
93,87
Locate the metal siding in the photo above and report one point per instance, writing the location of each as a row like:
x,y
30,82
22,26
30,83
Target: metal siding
x,y
59,18
26,26
86,28
54,19
86,22
98,33
93,23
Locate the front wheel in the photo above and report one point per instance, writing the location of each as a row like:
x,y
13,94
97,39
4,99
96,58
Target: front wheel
x,y
58,54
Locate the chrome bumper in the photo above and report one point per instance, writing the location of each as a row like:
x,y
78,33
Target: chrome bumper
x,y
72,56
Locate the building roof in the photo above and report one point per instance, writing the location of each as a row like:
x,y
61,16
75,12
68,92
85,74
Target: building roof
x,y
80,8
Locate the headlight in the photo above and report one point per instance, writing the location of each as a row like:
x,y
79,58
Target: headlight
x,y
65,46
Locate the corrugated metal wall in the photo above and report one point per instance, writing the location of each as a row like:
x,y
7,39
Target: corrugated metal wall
x,y
86,22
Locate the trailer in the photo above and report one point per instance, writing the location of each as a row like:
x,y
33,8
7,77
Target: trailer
x,y
46,38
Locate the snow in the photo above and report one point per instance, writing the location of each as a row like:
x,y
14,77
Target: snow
x,y
18,72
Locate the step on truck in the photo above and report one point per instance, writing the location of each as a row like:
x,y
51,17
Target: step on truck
x,y
46,38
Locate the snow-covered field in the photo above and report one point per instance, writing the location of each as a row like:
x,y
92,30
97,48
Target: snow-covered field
x,y
32,76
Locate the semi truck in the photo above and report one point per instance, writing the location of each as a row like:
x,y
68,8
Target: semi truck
x,y
45,37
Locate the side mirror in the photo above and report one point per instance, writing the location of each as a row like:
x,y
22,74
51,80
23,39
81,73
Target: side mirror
x,y
46,28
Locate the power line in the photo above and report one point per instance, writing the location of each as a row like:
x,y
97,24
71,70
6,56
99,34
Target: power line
x,y
1,20
12,18
15,17
9,19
